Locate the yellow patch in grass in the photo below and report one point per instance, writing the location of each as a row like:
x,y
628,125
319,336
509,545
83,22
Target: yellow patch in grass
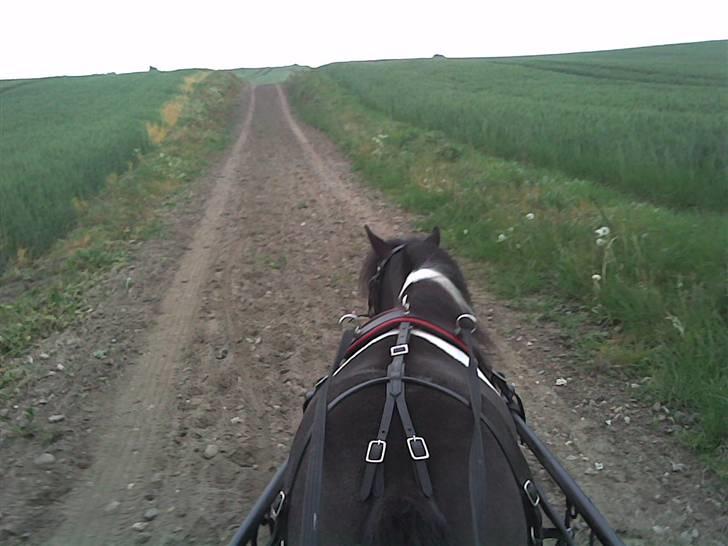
x,y
22,258
172,110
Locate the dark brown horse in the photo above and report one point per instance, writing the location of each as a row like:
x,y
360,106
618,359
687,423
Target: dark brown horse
x,y
404,460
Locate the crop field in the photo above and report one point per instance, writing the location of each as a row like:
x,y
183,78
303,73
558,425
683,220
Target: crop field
x,y
651,122
59,140
592,187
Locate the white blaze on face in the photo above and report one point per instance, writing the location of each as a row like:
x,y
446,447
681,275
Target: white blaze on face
x,y
429,274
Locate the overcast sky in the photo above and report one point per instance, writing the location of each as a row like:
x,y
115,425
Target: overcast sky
x,y
44,38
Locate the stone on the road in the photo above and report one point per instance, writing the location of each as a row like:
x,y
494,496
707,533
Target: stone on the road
x,y
113,505
44,459
150,514
210,451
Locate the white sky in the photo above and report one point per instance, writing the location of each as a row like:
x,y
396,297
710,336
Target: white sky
x,y
55,37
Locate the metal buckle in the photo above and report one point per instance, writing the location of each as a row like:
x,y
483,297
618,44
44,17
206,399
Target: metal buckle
x,y
471,318
277,505
399,350
373,445
419,441
532,493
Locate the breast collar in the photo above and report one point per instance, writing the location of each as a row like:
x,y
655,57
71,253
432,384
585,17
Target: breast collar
x,y
391,319
386,324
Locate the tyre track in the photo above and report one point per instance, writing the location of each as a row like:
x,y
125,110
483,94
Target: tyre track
x,y
126,449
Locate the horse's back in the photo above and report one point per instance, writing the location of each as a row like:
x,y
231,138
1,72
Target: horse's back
x,y
446,425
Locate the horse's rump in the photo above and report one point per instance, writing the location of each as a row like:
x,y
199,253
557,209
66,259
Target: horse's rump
x,y
403,515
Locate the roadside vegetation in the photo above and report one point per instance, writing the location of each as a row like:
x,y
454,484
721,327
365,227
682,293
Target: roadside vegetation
x,y
652,278
651,122
46,294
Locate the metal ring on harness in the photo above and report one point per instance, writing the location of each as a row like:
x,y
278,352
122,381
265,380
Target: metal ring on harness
x,y
348,317
471,318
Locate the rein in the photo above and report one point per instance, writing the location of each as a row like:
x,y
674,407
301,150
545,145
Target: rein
x,y
375,282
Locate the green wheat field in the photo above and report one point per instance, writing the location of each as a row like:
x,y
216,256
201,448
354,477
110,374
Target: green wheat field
x,y
59,140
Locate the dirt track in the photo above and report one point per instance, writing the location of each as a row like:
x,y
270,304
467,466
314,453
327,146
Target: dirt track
x,y
182,389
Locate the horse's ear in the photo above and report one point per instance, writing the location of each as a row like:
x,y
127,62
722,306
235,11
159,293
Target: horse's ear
x,y
381,247
434,237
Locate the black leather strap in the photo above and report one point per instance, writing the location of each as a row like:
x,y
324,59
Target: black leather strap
x,y
476,463
423,475
395,371
513,455
373,480
314,476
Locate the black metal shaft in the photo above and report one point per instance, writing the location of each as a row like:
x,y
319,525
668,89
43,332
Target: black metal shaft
x,y
249,527
568,485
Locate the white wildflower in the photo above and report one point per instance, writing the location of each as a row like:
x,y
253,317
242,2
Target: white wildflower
x,y
465,231
676,323
530,216
596,277
601,241
602,231
502,237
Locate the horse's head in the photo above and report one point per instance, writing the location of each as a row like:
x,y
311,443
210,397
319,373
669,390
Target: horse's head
x,y
390,265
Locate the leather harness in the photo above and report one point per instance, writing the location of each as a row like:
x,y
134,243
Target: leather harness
x,y
372,484
495,418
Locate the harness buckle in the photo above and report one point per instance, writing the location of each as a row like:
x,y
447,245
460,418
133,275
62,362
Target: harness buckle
x,y
418,448
397,350
277,505
375,451
531,493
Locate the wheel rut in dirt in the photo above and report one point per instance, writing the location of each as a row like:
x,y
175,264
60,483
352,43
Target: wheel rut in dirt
x,y
192,430
141,411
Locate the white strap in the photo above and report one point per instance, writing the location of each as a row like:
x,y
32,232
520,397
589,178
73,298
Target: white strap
x,y
428,274
448,348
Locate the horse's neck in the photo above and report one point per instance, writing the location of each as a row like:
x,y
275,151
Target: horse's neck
x,y
439,302
438,284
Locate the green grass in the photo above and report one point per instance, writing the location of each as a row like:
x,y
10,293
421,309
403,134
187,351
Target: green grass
x,y
263,76
661,294
51,292
60,139
650,122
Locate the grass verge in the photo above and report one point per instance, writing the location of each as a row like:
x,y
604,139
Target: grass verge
x,y
46,295
656,279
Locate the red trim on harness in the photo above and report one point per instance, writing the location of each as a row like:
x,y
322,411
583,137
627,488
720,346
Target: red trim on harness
x,y
424,324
